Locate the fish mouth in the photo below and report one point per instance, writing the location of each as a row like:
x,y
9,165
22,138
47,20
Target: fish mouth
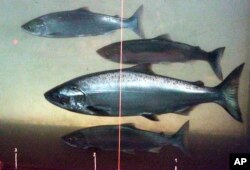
x,y
24,27
49,97
35,27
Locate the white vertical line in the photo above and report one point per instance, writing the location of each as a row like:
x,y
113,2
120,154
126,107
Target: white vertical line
x,y
15,150
175,167
94,155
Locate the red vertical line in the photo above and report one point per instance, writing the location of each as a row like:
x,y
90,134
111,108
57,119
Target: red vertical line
x,y
120,91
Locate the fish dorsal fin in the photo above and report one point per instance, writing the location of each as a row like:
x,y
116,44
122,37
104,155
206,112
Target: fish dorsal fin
x,y
142,68
163,37
130,125
83,9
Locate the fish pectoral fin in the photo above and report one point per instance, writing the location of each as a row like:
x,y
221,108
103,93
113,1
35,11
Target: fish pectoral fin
x,y
142,68
163,37
100,110
155,150
198,83
150,116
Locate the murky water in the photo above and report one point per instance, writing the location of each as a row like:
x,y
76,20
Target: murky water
x,y
32,65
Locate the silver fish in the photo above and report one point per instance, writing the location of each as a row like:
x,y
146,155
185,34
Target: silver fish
x,y
161,49
143,93
106,138
81,22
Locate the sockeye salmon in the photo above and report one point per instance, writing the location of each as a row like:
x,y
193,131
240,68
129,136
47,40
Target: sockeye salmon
x,y
161,49
143,93
106,138
81,22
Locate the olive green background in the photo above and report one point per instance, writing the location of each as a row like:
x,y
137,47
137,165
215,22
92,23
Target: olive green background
x,y
35,64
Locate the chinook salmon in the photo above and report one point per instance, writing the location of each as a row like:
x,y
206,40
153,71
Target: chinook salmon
x,y
143,93
133,139
81,22
161,49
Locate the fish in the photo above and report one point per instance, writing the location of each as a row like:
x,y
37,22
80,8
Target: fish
x,y
143,93
105,138
80,23
161,49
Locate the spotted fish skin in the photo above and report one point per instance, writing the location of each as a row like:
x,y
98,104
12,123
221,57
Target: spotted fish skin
x,y
133,139
81,22
143,93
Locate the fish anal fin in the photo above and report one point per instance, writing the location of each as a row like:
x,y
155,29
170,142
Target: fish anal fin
x,y
163,37
100,110
155,150
142,68
150,116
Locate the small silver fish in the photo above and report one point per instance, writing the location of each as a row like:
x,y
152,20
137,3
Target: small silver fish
x,y
81,22
133,139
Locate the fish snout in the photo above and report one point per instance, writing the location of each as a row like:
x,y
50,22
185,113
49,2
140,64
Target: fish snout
x,y
52,97
36,27
70,140
26,27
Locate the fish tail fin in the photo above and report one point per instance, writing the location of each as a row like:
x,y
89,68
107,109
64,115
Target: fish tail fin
x,y
214,59
179,138
228,90
137,22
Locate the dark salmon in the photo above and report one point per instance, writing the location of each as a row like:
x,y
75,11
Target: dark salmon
x,y
133,139
161,49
